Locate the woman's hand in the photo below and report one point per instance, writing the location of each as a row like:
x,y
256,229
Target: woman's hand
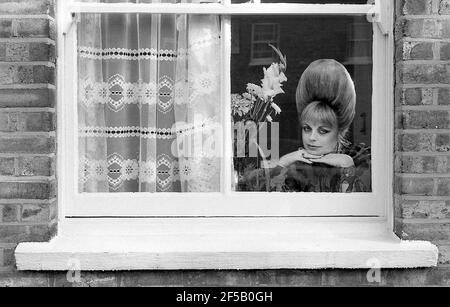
x,y
336,160
297,156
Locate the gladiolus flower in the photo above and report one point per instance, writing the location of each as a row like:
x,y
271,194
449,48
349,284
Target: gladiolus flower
x,y
276,108
258,102
283,64
272,82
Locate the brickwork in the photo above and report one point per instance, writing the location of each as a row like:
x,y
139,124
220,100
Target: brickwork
x,y
422,103
27,125
417,277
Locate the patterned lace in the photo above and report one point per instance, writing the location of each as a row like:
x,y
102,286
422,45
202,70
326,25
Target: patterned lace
x,y
149,98
127,54
207,127
116,93
201,174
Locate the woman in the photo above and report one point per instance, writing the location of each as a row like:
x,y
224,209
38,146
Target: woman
x,y
326,101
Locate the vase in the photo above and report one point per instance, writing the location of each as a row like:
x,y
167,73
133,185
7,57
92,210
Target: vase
x,y
248,162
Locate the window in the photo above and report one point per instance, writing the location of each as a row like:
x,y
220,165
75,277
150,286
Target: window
x,y
359,48
264,34
153,128
309,43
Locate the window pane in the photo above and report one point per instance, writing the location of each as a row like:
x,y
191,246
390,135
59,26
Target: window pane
x,y
310,1
149,1
319,120
149,103
264,36
320,1
263,50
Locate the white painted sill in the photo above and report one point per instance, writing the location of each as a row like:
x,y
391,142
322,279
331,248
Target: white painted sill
x,y
224,243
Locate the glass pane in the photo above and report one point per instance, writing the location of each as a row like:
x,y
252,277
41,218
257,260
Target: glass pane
x,y
264,36
150,1
320,1
149,103
263,50
321,140
310,1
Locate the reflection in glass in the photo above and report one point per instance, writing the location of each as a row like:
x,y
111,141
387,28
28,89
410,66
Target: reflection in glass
x,y
321,140
150,1
309,1
320,1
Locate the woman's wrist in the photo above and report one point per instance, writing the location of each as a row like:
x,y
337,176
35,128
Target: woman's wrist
x,y
282,164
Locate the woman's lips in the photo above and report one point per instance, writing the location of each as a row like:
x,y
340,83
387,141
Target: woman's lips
x,y
312,147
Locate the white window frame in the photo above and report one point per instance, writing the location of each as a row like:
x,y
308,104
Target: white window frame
x,y
263,61
178,233
227,203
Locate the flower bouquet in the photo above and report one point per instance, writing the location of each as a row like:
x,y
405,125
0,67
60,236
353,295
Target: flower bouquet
x,y
257,106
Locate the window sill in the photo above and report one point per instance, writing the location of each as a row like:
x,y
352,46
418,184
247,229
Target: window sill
x,y
219,243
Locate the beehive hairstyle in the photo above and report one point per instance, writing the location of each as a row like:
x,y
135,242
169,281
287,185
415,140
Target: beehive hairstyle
x,y
328,81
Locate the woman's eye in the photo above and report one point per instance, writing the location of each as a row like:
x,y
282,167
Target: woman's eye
x,y
306,128
323,131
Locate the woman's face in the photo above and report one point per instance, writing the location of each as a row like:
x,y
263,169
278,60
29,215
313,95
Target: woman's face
x,y
319,138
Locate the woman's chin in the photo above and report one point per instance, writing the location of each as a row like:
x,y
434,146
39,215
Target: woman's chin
x,y
315,151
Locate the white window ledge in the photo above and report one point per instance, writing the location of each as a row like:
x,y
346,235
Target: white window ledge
x,y
220,243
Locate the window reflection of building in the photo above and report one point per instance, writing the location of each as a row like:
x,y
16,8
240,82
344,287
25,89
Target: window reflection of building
x,y
264,34
359,63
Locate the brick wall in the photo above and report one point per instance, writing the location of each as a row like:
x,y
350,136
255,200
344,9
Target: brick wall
x,y
423,125
27,152
27,124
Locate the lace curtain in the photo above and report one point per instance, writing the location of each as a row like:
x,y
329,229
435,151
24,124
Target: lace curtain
x,y
148,102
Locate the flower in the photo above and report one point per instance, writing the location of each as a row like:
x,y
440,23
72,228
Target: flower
x,y
240,105
273,81
255,90
249,97
257,104
276,108
283,64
